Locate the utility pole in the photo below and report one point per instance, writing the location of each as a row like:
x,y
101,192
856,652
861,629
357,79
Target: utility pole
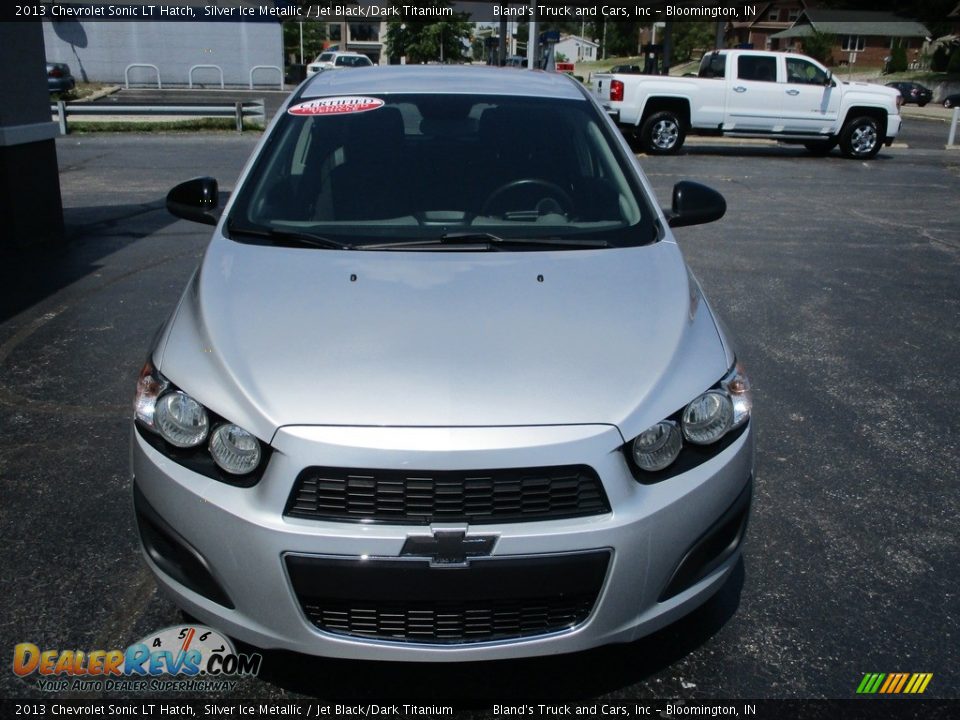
x,y
532,37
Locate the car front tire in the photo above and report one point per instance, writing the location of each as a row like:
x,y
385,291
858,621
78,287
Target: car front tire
x,y
860,138
662,134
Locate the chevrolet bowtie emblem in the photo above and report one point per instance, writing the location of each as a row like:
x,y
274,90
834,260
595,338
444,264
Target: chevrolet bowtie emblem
x,y
448,547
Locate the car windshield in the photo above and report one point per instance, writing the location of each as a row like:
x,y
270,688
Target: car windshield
x,y
353,60
400,168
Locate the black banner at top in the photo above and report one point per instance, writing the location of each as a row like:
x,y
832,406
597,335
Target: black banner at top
x,y
382,10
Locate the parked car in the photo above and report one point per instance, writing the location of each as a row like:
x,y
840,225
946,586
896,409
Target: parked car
x,y
912,92
951,101
336,60
443,387
59,78
628,69
752,93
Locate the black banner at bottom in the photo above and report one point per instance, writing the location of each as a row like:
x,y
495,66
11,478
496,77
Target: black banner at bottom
x,y
894,709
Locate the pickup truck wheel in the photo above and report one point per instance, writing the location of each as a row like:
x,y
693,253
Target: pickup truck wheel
x,y
662,134
820,147
860,138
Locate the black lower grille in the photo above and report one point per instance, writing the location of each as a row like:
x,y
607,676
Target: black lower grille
x,y
422,497
441,623
414,601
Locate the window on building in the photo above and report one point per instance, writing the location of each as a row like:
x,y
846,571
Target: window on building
x,y
793,14
333,32
365,32
853,43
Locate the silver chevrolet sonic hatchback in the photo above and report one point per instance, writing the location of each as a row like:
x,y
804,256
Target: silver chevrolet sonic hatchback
x,y
442,387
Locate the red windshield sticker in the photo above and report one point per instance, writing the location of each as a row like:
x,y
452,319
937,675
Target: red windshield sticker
x,y
336,105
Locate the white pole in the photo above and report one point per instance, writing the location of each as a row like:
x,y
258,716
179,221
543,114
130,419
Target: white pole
x,y
301,43
532,37
953,125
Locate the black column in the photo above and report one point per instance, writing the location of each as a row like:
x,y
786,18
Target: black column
x,y
30,204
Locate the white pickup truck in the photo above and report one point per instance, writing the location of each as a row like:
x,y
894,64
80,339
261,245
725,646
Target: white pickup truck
x,y
752,93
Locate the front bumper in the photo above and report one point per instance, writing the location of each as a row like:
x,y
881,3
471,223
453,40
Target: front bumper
x,y
251,550
894,123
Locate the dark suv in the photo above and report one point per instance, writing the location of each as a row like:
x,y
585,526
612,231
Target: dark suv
x,y
912,92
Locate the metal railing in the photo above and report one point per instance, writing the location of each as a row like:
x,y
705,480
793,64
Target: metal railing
x,y
266,67
126,73
253,109
197,67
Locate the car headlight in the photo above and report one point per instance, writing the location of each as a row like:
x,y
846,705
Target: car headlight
x,y
177,425
708,417
657,446
181,420
703,423
234,449
737,385
150,385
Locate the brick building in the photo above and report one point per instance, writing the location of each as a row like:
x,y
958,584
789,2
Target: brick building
x,y
770,18
871,36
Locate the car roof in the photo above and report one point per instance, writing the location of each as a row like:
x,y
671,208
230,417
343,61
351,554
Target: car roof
x,y
442,80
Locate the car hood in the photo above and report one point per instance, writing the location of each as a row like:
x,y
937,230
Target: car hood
x,y
269,336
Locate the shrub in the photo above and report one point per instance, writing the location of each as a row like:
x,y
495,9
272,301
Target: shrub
x,y
953,66
898,60
940,59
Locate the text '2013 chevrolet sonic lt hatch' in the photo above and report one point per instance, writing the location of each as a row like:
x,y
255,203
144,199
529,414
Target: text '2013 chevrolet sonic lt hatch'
x,y
442,387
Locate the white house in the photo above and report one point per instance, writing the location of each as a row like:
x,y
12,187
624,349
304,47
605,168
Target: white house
x,y
578,49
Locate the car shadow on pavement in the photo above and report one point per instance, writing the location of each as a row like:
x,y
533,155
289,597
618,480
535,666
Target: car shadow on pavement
x,y
29,275
578,676
783,152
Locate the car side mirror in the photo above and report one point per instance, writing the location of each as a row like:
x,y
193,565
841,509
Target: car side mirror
x,y
695,204
195,200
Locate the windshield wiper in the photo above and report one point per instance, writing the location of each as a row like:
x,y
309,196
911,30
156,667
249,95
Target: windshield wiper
x,y
484,237
289,237
488,239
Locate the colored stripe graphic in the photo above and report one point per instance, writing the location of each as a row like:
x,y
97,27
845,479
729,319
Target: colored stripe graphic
x,y
894,683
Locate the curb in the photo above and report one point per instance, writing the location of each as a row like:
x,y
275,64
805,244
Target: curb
x,y
102,92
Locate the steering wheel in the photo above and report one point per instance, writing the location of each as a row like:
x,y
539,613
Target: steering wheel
x,y
555,191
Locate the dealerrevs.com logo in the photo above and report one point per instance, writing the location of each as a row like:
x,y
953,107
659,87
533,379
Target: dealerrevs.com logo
x,y
182,657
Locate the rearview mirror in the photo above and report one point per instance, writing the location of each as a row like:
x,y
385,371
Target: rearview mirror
x,y
195,200
695,204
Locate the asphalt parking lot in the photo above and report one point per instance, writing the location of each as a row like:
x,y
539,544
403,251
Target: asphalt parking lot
x,y
840,281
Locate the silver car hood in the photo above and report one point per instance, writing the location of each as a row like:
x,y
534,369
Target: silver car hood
x,y
269,336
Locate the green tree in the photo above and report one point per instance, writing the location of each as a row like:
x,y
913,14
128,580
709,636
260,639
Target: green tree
x,y
690,36
314,35
898,59
622,38
940,59
953,66
428,41
819,45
